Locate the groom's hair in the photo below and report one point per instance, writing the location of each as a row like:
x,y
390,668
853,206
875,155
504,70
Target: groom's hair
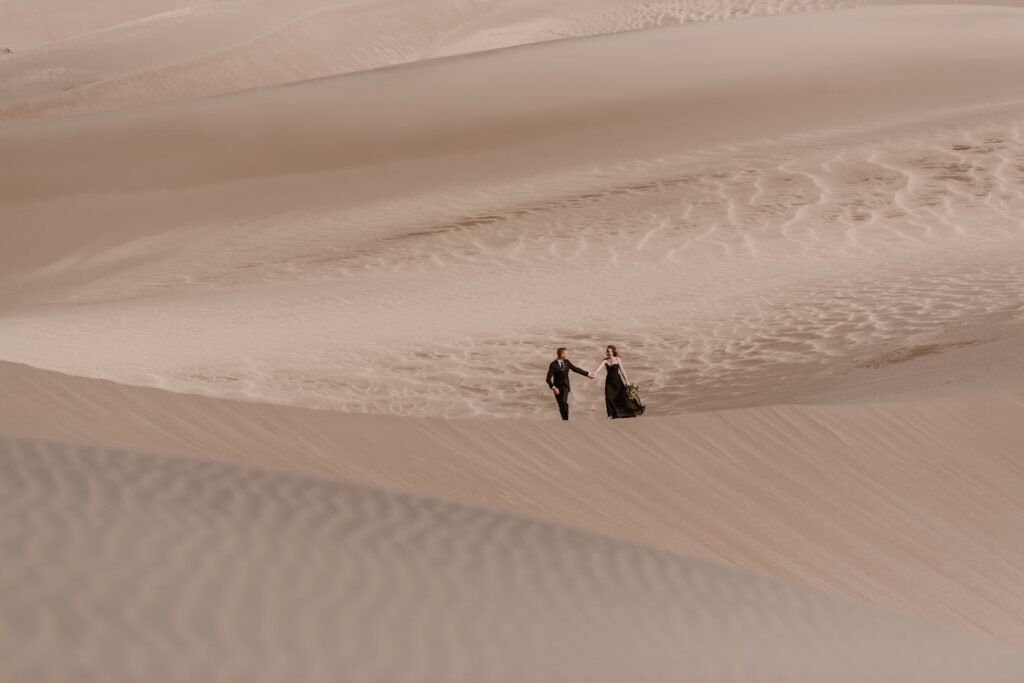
x,y
560,351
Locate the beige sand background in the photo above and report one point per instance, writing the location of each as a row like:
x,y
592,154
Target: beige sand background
x,y
332,246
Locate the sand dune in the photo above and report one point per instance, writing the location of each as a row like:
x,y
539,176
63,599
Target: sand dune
x,y
31,24
182,570
626,90
134,54
804,230
910,505
322,236
872,250
206,49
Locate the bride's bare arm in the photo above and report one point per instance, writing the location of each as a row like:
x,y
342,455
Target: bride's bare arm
x,y
599,366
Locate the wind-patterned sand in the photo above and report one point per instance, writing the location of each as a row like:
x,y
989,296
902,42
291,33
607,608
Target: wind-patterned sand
x,y
872,250
379,213
126,567
908,504
336,261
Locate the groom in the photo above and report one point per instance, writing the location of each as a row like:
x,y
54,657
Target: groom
x,y
558,380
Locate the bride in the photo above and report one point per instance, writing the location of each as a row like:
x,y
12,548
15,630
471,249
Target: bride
x,y
616,401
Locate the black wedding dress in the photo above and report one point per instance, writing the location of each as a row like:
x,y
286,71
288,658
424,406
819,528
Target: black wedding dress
x,y
616,402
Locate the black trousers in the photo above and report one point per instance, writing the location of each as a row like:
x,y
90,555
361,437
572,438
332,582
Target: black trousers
x,y
562,399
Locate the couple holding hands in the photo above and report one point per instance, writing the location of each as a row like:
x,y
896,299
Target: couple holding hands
x,y
620,397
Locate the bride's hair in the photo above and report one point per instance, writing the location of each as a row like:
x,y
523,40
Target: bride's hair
x,y
615,351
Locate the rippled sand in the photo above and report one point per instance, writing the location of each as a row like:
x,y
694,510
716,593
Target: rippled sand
x,y
361,229
744,276
181,566
303,569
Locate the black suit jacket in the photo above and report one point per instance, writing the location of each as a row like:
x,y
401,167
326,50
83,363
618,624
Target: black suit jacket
x,y
559,377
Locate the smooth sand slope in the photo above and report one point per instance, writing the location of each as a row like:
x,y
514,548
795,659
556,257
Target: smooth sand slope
x,y
180,570
184,50
912,505
34,23
638,93
66,61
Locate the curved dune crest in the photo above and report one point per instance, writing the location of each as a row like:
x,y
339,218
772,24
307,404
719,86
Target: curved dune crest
x,y
30,24
232,46
175,570
131,54
543,107
214,48
910,505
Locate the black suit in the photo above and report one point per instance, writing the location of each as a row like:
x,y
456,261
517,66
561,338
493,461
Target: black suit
x,y
558,378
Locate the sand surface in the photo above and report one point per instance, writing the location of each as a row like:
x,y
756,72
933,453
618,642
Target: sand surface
x,y
910,505
313,579
279,283
67,61
304,244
